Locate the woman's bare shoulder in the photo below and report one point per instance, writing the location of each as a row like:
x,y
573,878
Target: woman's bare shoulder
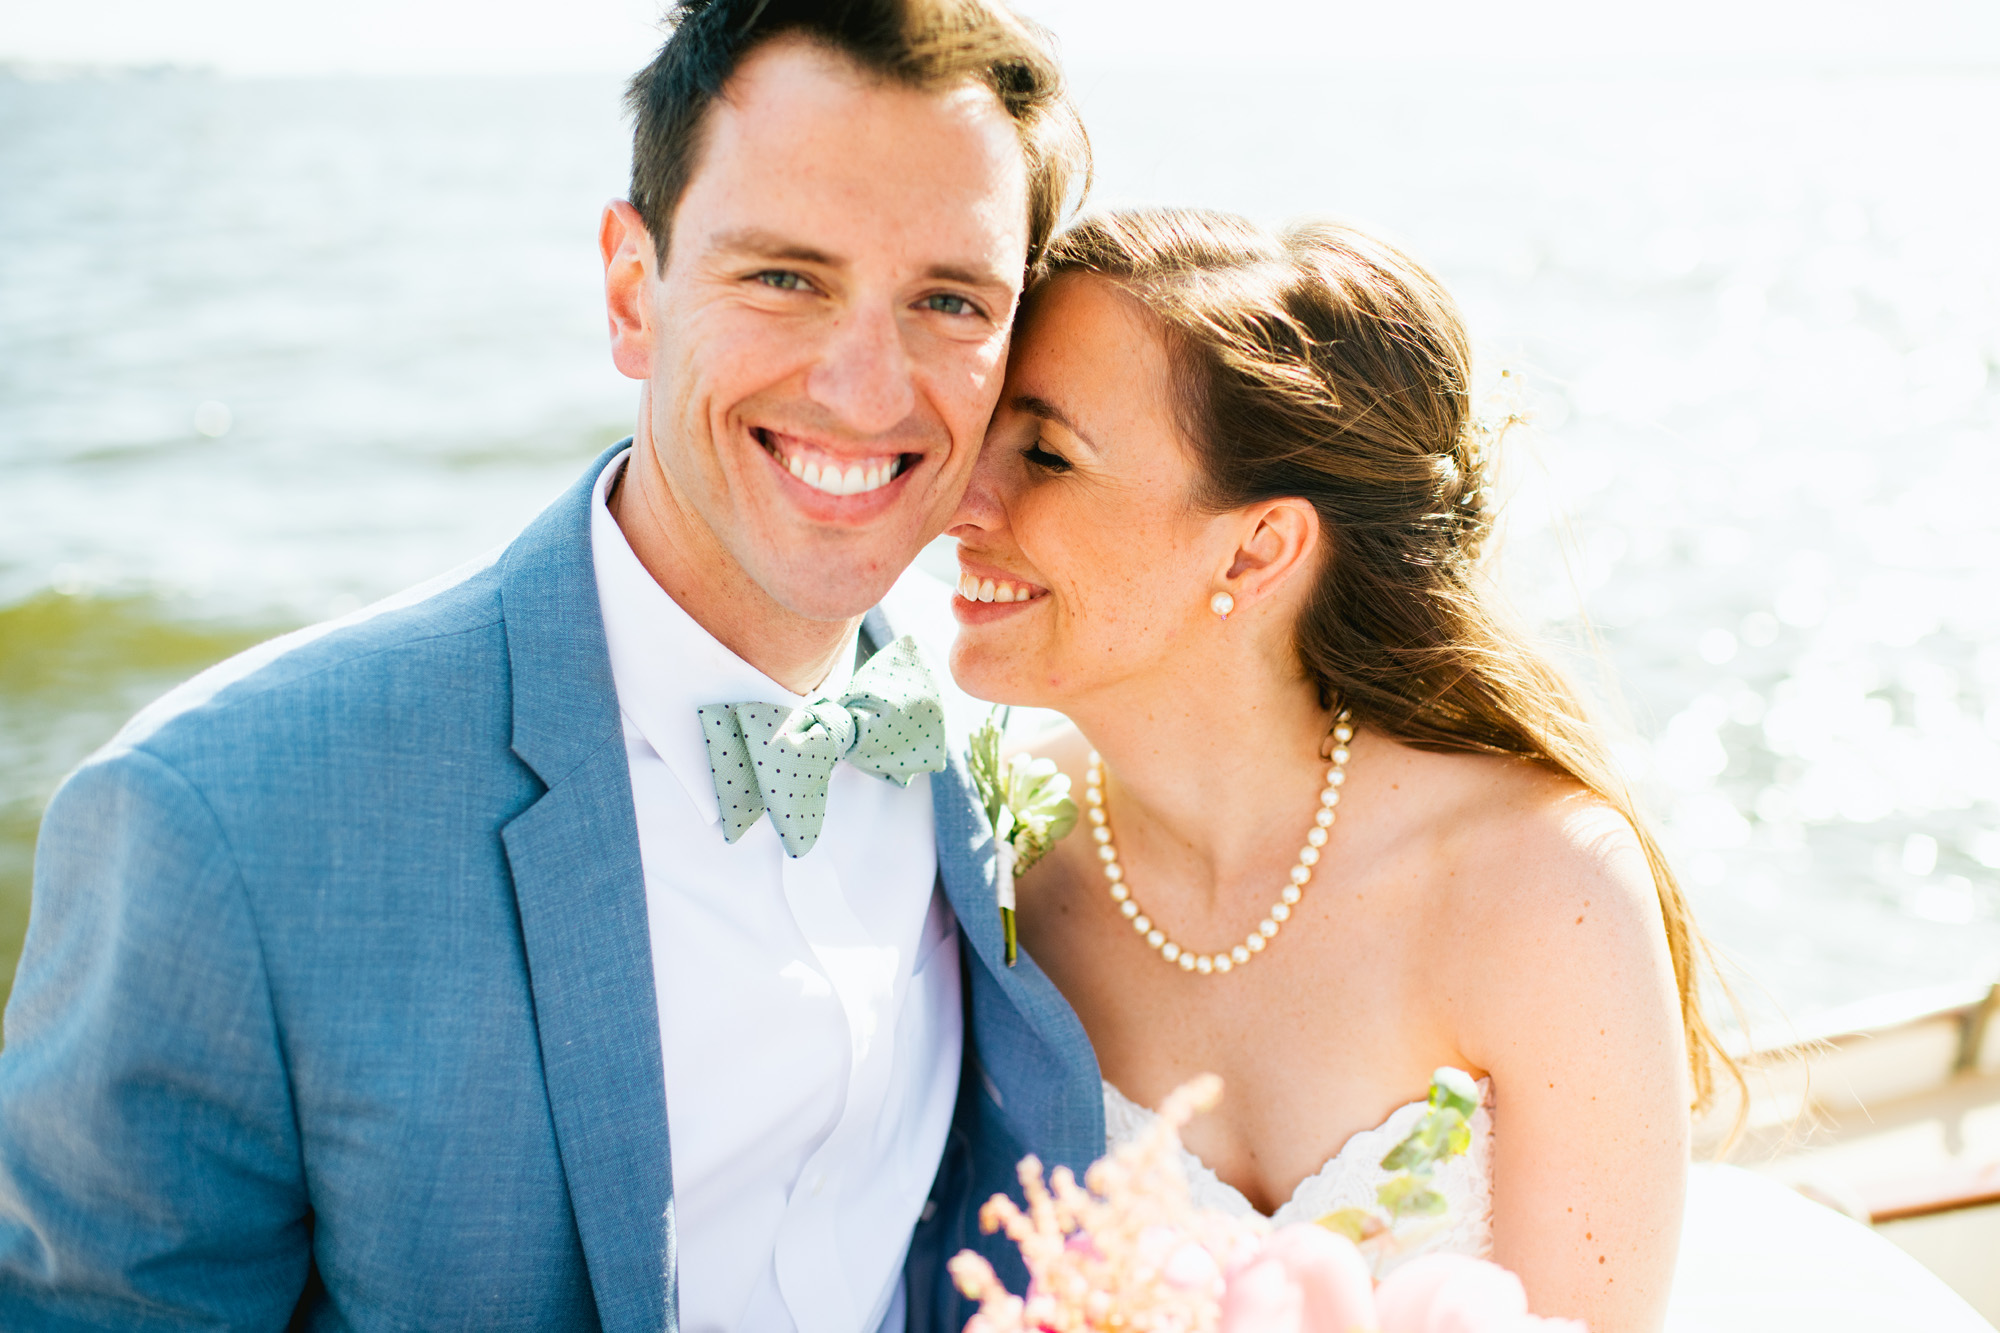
x,y
1512,836
1552,906
1519,863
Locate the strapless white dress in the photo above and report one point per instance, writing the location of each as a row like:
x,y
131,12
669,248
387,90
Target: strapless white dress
x,y
1755,1256
1353,1175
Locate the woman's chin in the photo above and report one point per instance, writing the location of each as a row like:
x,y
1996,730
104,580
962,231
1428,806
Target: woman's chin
x,y
987,671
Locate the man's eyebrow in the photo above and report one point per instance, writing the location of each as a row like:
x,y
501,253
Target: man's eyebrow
x,y
1045,410
965,277
770,245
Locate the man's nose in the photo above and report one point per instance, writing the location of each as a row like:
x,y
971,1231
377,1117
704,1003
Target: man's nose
x,y
863,375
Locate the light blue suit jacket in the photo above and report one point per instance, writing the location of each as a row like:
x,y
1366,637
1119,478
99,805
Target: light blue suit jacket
x,y
336,1008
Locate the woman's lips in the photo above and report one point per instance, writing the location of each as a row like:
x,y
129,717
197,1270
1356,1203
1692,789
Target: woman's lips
x,y
986,588
986,595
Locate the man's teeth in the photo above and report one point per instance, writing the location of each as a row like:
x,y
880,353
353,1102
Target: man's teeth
x,y
975,589
856,479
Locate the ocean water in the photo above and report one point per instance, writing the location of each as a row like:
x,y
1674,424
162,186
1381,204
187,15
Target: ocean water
x,y
270,349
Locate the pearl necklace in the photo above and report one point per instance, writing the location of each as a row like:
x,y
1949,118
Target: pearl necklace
x,y
1288,897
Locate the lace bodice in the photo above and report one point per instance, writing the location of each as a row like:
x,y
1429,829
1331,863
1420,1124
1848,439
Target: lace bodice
x,y
1352,1177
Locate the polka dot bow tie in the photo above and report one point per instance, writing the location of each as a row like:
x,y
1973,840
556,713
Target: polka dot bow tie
x,y
778,758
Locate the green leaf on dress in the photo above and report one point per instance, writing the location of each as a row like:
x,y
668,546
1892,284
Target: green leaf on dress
x,y
1410,1196
1357,1224
1440,1134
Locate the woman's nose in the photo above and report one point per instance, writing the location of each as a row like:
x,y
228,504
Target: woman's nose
x,y
983,507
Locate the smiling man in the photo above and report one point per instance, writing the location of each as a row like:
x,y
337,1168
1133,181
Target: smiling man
x,y
820,320
583,941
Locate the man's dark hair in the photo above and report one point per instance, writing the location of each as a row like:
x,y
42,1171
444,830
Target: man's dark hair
x,y
918,43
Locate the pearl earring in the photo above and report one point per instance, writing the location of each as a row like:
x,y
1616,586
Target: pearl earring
x,y
1222,604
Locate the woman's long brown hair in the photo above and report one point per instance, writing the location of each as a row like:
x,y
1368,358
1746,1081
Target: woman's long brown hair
x,y
1326,365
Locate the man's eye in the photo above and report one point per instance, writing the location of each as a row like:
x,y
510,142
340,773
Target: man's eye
x,y
783,280
946,304
1042,458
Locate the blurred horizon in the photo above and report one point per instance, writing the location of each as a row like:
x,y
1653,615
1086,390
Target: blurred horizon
x,y
438,37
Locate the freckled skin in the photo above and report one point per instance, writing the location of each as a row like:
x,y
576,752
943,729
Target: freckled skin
x,y
1467,910
1105,621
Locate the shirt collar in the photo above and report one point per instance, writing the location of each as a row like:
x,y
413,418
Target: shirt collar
x,y
665,665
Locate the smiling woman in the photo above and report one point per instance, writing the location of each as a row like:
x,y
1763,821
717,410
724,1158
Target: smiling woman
x,y
1246,469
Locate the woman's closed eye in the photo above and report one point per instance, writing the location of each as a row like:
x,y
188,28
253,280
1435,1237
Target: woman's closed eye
x,y
1045,458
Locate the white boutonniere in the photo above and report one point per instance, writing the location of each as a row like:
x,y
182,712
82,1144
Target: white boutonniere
x,y
1027,801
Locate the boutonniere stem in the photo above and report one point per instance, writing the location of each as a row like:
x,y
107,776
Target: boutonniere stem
x,y
1027,802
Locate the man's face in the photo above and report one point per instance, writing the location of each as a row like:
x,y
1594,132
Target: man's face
x,y
829,333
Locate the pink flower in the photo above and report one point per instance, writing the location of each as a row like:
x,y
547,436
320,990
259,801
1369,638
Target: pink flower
x,y
1191,1268
1453,1293
1305,1279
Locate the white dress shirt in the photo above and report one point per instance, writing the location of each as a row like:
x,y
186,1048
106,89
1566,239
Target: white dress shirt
x,y
809,1007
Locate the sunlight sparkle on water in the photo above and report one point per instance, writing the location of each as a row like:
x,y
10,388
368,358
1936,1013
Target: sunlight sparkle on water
x,y
236,387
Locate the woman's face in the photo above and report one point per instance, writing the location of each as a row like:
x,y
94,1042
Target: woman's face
x,y
1083,562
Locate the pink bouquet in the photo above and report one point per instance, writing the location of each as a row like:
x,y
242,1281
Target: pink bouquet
x,y
1308,1280
1128,1250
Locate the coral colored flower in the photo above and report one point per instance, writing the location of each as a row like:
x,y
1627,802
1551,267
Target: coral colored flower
x,y
1127,1249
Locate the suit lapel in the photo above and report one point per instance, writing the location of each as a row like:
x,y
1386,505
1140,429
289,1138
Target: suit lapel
x,y
966,864
1068,1128
582,898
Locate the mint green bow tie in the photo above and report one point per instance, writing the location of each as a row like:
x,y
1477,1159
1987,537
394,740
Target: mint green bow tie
x,y
775,757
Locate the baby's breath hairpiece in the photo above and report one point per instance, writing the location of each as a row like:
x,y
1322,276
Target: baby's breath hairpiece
x,y
1027,801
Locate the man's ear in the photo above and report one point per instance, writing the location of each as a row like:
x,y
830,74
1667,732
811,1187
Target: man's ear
x,y
1279,542
628,253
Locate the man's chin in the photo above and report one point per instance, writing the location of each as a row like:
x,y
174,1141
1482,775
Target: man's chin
x,y
834,609
828,591
821,574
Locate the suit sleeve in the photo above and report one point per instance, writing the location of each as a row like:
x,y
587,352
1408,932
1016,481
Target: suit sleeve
x,y
149,1162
